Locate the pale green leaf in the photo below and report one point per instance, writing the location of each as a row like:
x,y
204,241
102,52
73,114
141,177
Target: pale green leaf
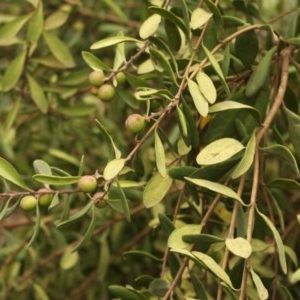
x,y
56,180
209,263
182,121
59,49
278,240
175,239
56,19
199,18
112,41
217,68
247,160
239,246
13,72
227,105
207,87
218,151
69,259
216,187
39,292
113,168
200,102
35,25
160,155
261,290
41,167
10,29
159,287
295,277
94,62
37,94
155,190
149,26
8,172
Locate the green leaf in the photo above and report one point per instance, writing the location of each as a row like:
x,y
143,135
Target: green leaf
x,y
284,155
113,168
11,29
246,48
8,209
231,105
294,124
217,68
37,94
89,231
69,259
202,238
218,151
239,246
78,215
200,102
199,287
278,240
125,293
56,180
149,26
156,189
35,25
175,239
39,292
94,62
124,202
247,160
167,14
13,72
285,184
207,262
216,187
199,18
138,254
111,41
206,87
260,74
182,121
77,111
8,172
37,225
112,149
59,49
160,155
56,19
261,290
159,287
166,224
41,167
295,277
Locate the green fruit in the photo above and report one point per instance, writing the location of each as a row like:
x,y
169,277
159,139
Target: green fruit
x,y
28,202
121,78
99,199
87,183
135,123
106,92
96,78
44,199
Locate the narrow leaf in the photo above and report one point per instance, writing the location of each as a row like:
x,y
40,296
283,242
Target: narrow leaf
x,y
37,94
160,155
182,121
218,151
13,72
112,41
8,172
59,49
155,190
200,102
239,246
199,18
149,26
94,62
261,290
35,25
278,240
113,168
217,68
247,160
124,202
56,180
36,227
216,187
206,87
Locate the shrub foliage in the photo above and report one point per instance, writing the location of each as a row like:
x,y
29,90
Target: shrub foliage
x,y
197,200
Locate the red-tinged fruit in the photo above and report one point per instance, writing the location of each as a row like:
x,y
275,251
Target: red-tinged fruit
x,y
135,123
87,183
106,92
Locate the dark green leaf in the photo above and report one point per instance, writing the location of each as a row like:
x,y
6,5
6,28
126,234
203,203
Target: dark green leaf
x,y
125,293
124,202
